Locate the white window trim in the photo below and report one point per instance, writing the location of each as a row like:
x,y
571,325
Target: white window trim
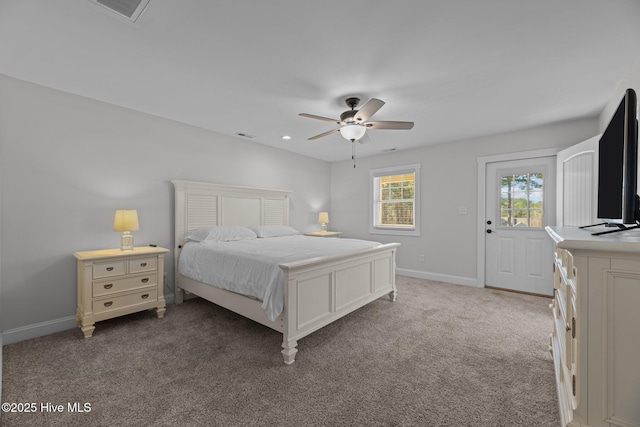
x,y
395,170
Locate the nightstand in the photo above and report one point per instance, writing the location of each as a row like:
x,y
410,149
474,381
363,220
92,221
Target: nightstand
x,y
324,233
112,283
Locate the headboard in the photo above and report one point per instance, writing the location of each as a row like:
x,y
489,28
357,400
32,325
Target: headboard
x,y
203,204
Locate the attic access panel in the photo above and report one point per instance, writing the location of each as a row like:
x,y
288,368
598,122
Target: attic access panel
x,y
130,9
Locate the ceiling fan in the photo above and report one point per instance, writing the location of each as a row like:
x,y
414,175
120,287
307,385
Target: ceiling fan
x,y
353,123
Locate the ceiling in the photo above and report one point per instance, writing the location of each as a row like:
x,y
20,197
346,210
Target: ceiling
x,y
458,69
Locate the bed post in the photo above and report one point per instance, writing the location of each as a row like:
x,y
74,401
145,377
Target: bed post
x,y
289,345
394,293
179,233
289,351
178,293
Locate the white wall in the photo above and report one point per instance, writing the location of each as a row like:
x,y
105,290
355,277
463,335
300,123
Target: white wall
x,y
68,162
630,80
448,182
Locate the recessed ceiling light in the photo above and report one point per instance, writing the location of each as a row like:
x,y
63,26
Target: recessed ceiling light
x,y
286,137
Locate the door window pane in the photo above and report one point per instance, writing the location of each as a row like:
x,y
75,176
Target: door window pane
x,y
521,201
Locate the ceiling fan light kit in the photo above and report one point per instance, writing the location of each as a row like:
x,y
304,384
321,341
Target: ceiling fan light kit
x,y
352,132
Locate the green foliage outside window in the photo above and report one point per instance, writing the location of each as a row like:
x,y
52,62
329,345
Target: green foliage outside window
x,y
521,203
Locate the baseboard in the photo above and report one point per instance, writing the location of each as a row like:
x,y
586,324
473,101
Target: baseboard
x,y
437,277
28,332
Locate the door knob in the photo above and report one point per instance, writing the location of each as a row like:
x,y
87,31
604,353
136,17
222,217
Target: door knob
x,y
489,231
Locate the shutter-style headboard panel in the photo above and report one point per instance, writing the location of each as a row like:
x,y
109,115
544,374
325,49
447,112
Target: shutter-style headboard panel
x,y
275,211
202,204
201,210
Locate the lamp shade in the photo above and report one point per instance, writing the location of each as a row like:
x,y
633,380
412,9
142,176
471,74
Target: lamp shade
x,y
352,132
323,217
125,220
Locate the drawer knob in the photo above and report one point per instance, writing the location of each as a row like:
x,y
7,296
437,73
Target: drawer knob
x,y
109,268
108,286
145,296
145,280
143,264
108,303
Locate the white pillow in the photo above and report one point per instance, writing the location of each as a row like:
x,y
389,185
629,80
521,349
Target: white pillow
x,y
274,230
222,233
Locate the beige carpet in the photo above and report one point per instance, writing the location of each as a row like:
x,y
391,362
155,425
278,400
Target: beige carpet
x,y
441,355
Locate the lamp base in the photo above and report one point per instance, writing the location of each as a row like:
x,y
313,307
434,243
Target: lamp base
x,y
126,241
323,228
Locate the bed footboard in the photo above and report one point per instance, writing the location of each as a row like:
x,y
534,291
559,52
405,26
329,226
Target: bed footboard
x,y
322,290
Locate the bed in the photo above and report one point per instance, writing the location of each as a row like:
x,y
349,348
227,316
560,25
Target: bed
x,y
315,291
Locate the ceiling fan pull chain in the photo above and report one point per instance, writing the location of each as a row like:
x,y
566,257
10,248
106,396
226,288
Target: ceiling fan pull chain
x,y
353,152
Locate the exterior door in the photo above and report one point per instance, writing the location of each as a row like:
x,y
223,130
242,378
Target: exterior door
x,y
520,202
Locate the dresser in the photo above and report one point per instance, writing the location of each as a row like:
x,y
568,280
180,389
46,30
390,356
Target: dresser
x,y
112,283
596,335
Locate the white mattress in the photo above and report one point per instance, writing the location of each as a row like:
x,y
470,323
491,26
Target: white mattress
x,y
251,267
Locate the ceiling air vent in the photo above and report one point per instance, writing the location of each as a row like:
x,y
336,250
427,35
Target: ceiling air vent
x,y
130,9
245,135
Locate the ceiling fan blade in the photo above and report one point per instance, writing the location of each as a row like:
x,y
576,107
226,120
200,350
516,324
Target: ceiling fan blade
x,y
325,119
365,138
389,125
368,109
323,134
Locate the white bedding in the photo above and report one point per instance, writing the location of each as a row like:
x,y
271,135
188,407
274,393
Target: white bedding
x,y
251,267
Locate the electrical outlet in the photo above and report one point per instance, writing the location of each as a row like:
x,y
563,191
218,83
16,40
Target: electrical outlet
x,y
421,258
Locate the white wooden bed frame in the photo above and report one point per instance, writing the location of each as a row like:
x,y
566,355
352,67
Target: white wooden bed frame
x,y
316,291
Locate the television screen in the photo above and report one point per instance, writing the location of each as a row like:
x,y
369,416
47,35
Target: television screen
x,y
617,165
610,160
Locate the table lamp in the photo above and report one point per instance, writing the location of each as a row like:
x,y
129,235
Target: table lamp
x,y
323,219
126,220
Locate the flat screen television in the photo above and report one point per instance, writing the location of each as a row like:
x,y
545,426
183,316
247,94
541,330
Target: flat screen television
x,y
618,201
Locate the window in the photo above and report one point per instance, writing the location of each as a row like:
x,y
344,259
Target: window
x,y
521,200
395,200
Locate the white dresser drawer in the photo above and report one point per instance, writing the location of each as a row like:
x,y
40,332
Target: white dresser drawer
x,y
122,301
124,284
109,269
140,265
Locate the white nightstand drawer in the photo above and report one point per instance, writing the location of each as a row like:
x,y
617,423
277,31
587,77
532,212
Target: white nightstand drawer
x,y
109,269
115,303
143,264
119,285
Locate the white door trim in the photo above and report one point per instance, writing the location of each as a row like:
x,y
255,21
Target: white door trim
x,y
482,176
